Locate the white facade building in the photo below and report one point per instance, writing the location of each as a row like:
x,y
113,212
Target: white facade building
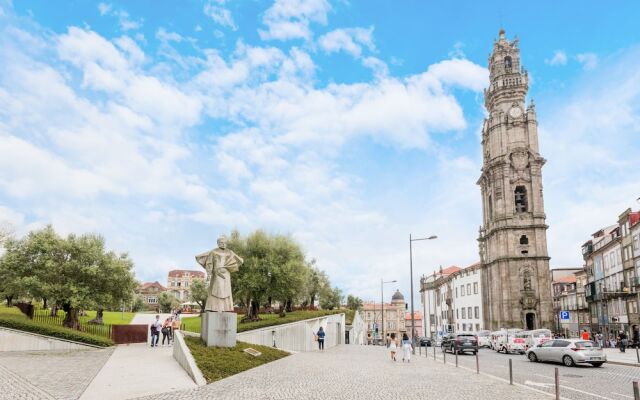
x,y
452,301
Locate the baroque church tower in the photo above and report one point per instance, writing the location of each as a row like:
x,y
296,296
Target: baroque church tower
x,y
516,281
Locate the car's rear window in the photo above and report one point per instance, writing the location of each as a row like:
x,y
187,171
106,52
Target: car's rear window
x,y
467,336
585,345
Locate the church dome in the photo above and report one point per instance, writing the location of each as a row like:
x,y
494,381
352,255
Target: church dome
x,y
397,297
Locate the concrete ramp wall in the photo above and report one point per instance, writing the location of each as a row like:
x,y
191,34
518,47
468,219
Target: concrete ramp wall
x,y
14,340
299,336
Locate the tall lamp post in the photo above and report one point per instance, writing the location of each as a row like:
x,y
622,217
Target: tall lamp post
x,y
413,317
382,300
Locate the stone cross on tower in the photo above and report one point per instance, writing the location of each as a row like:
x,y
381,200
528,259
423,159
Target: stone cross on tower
x,y
512,241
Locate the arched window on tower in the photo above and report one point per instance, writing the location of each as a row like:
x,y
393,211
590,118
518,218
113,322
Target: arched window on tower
x,y
524,239
507,62
520,195
490,207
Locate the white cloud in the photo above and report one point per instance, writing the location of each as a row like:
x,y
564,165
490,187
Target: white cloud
x,y
290,19
588,60
559,58
165,36
220,15
126,23
349,40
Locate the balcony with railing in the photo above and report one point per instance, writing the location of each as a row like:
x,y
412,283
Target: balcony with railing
x,y
617,291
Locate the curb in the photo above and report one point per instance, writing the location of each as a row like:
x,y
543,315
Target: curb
x,y
623,363
183,356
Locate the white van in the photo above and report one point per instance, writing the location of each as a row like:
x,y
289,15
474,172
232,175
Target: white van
x,y
537,337
484,338
517,343
503,338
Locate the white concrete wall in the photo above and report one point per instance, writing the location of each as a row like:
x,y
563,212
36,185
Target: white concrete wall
x,y
183,356
299,336
14,340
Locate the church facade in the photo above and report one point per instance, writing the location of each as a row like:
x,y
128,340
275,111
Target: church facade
x,y
515,275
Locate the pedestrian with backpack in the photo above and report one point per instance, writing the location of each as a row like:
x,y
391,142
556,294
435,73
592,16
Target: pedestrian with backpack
x,y
156,325
320,335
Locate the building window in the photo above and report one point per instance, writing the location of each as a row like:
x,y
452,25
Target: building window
x,y
464,313
476,312
152,300
462,290
464,327
477,327
469,312
468,288
524,239
456,293
490,208
475,287
520,195
457,313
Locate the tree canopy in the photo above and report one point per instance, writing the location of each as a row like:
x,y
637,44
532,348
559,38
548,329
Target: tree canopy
x,y
75,272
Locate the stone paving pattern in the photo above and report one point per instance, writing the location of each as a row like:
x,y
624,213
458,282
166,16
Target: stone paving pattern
x,y
49,375
354,372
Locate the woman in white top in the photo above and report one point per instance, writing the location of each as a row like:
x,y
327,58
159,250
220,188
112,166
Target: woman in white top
x,y
406,348
392,346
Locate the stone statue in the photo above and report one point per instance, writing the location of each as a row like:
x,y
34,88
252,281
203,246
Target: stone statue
x,y
219,263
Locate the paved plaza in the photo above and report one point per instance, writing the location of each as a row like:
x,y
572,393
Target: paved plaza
x,y
355,372
49,374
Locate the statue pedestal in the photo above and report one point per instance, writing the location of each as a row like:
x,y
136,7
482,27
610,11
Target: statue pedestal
x,y
219,328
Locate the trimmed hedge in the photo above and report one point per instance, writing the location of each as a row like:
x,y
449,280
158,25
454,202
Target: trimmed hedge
x,y
54,331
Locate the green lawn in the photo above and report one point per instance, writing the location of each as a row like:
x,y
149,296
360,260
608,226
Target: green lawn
x,y
12,317
220,362
192,324
109,317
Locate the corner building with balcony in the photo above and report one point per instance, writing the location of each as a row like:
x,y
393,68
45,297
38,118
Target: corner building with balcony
x,y
515,275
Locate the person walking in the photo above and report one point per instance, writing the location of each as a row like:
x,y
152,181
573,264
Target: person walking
x,y
166,331
600,340
156,325
406,348
320,335
393,348
623,341
175,326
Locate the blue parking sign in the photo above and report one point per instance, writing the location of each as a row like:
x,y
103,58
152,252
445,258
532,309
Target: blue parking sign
x,y
564,315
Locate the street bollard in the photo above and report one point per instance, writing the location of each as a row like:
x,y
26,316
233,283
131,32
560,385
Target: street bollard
x,y
456,351
444,357
420,350
434,352
557,384
637,354
510,372
477,363
636,391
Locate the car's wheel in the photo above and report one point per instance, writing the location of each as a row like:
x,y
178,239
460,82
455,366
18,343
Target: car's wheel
x,y
532,357
475,352
597,364
568,361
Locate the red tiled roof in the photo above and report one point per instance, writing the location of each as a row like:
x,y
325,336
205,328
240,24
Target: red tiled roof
x,y
416,315
634,217
181,272
566,279
449,270
147,285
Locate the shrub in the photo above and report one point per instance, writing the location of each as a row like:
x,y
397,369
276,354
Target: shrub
x,y
54,331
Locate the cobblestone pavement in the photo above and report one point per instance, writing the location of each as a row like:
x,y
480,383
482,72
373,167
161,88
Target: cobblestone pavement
x,y
609,382
50,374
355,372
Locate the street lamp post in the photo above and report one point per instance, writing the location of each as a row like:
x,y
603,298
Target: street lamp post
x,y
382,305
413,319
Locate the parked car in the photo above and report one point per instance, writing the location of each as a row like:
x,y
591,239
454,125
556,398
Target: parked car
x,y
484,338
460,343
425,342
569,352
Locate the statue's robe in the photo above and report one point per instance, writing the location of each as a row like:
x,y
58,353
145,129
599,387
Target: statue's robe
x,y
219,264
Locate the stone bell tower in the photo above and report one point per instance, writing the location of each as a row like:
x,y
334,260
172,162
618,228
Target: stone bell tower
x,y
516,282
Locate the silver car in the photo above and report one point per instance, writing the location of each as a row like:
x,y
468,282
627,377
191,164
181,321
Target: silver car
x,y
569,352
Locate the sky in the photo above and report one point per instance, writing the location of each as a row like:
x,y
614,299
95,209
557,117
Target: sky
x,y
346,124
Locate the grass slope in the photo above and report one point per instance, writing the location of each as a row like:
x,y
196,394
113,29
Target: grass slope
x,y
220,362
108,317
192,324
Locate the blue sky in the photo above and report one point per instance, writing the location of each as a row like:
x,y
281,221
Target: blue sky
x,y
347,124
